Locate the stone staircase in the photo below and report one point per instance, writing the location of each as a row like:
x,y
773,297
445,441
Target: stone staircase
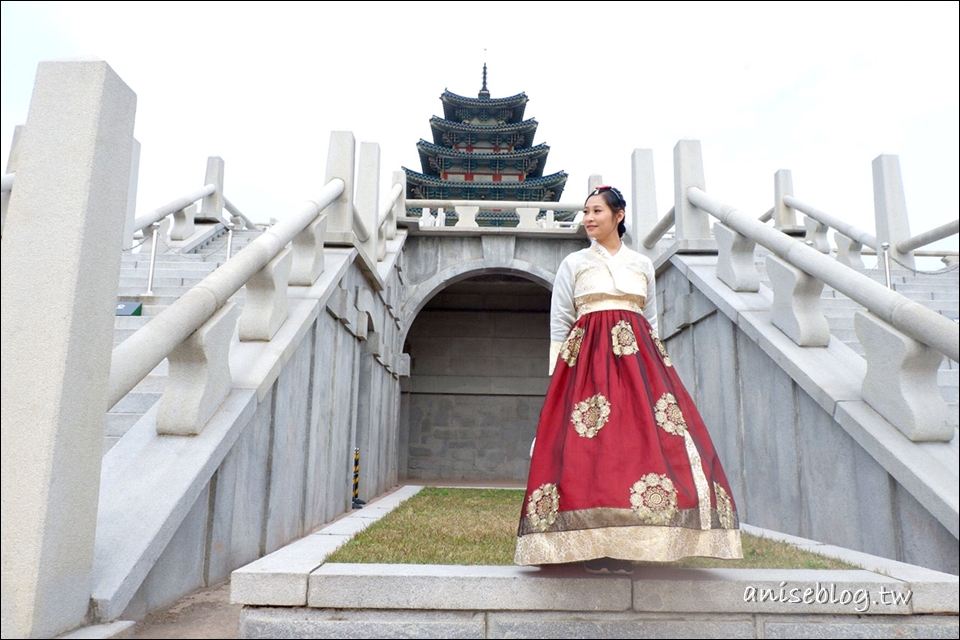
x,y
174,274
939,292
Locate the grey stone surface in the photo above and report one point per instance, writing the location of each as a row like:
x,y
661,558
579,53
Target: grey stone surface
x,y
56,366
118,629
915,467
267,622
924,541
466,587
280,578
768,591
909,627
576,624
289,426
932,591
179,568
241,500
718,399
827,477
772,496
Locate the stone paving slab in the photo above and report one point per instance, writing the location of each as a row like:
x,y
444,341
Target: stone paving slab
x,y
455,587
306,597
560,624
809,591
326,623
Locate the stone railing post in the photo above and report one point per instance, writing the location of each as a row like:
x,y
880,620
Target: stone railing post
x,y
796,304
13,159
691,223
816,235
184,223
56,362
890,206
643,216
399,208
211,207
736,266
199,377
848,251
784,216
527,217
901,381
266,305
340,164
308,253
367,198
467,216
132,196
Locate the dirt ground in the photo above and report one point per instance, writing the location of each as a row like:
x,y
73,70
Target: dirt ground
x,y
203,614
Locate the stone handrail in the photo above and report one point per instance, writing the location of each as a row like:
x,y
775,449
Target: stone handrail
x,y
467,210
232,209
6,182
904,342
824,218
663,225
666,223
158,214
923,239
912,318
137,356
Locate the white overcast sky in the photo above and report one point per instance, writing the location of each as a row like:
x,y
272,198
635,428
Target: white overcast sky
x,y
818,88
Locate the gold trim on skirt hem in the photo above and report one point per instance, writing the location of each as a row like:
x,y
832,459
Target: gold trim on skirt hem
x,y
639,544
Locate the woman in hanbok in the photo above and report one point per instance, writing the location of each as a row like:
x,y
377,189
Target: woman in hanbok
x,y
622,468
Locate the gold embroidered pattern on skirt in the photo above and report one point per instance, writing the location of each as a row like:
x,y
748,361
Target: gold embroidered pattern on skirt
x,y
624,341
724,507
654,498
571,346
590,415
661,349
543,506
668,415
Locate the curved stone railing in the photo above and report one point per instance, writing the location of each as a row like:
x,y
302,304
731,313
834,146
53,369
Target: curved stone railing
x,y
523,215
195,331
850,240
903,340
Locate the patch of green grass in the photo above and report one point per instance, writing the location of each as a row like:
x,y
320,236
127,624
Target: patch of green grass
x,y
479,527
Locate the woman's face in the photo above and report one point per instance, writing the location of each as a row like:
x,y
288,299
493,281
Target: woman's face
x,y
599,219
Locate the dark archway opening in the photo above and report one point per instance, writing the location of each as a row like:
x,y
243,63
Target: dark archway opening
x,y
478,374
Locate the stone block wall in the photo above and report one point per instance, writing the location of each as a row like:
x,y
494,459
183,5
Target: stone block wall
x,y
478,375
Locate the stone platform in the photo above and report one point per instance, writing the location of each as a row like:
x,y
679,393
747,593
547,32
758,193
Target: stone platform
x,y
293,593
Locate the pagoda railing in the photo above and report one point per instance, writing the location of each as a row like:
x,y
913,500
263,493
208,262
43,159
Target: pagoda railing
x,y
495,213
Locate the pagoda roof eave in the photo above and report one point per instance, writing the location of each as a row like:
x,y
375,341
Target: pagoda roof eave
x,y
552,180
540,150
455,98
428,150
460,108
453,125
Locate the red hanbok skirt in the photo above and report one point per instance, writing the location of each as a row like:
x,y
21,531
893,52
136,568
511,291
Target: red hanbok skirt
x,y
623,466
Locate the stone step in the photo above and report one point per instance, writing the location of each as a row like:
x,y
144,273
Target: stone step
x,y
203,263
161,282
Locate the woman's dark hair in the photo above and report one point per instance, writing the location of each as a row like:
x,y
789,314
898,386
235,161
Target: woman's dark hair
x,y
614,200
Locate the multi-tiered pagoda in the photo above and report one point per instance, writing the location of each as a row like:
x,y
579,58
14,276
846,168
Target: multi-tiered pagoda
x,y
483,149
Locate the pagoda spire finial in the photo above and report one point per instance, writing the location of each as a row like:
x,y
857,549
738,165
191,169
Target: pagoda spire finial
x,y
484,93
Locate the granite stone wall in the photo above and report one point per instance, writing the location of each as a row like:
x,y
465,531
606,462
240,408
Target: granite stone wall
x,y
478,375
